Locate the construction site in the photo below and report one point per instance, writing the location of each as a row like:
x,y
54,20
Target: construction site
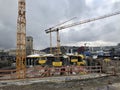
x,y
56,70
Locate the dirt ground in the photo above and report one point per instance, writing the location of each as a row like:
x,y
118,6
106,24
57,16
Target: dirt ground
x,y
104,83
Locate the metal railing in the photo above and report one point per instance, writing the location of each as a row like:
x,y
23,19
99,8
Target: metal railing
x,y
7,74
62,71
46,71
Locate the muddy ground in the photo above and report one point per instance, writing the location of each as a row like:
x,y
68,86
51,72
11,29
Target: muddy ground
x,y
104,83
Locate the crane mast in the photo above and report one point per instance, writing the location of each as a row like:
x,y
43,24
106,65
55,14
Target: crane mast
x,y
21,40
58,38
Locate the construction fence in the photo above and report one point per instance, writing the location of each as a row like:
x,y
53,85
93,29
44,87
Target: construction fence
x,y
61,71
7,74
112,68
40,71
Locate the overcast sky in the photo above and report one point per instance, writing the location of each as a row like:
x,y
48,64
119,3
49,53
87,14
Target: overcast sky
x,y
42,14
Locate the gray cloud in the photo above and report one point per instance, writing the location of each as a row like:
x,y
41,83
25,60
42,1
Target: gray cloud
x,y
8,23
42,14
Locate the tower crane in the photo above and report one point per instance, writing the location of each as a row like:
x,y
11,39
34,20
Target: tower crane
x,y
21,41
75,24
58,34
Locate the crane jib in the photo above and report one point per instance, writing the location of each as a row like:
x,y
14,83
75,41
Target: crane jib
x,y
81,22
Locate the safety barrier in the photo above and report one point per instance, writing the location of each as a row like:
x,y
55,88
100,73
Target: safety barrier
x,y
7,74
46,71
60,71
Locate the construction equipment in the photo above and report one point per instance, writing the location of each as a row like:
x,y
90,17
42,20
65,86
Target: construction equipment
x,y
76,60
58,39
21,41
35,59
46,60
75,24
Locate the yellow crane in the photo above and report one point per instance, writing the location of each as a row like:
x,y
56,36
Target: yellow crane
x,y
75,24
21,41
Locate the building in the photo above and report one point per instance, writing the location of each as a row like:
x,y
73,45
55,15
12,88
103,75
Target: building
x,y
64,49
29,45
12,52
113,50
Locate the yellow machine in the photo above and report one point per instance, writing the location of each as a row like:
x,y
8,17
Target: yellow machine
x,y
107,60
81,61
42,60
36,60
73,59
58,61
57,64
51,60
77,60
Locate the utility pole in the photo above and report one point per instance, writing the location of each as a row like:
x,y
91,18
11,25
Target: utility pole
x,y
21,41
